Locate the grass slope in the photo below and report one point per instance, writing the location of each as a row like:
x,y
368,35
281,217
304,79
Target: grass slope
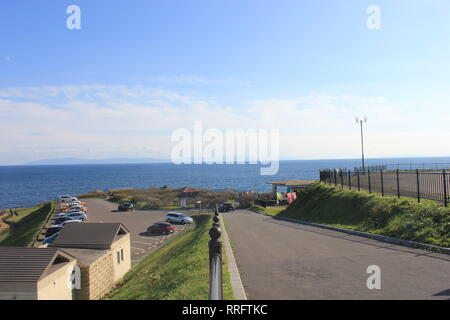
x,y
404,218
177,271
23,231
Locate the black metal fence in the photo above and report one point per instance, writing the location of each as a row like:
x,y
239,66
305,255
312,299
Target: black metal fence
x,y
215,260
419,184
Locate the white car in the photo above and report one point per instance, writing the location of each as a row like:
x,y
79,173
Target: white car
x,y
69,211
177,217
75,215
70,221
77,206
66,198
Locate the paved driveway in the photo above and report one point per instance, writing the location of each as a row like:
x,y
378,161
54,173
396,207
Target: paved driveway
x,y
284,260
136,221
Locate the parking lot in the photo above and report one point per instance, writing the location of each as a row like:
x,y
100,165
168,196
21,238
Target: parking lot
x,y
136,221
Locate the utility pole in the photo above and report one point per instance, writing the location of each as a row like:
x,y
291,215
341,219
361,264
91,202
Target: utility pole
x,y
361,121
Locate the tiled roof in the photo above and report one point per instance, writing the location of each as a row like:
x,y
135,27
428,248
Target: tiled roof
x,y
88,235
27,264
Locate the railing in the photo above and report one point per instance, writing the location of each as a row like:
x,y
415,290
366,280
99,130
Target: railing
x,y
419,184
215,260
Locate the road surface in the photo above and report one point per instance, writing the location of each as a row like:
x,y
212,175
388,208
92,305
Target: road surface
x,y
284,260
136,221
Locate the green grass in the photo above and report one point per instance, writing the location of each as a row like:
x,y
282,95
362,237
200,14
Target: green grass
x,y
427,222
177,271
23,232
268,210
22,213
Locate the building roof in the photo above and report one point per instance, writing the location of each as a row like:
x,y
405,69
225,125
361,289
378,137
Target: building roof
x,y
86,257
23,264
89,235
292,183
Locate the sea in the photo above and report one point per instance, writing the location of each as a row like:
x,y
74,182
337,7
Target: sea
x,y
25,186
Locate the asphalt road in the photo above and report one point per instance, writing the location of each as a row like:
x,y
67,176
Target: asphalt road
x,y
284,260
137,221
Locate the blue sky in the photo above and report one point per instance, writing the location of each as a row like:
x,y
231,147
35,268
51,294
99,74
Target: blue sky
x,y
315,62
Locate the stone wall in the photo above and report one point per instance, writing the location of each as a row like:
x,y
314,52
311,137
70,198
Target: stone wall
x,y
96,279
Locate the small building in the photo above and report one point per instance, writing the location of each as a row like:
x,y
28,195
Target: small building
x,y
103,254
35,274
290,185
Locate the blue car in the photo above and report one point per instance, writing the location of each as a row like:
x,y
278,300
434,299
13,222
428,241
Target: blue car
x,y
50,239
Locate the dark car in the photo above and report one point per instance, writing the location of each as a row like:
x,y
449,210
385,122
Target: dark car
x,y
52,230
161,228
125,206
63,219
226,207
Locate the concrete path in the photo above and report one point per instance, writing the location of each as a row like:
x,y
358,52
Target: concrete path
x,y
136,221
285,260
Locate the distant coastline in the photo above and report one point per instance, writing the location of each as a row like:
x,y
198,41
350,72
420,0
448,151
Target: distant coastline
x,y
79,161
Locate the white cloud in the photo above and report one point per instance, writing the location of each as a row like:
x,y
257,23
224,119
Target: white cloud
x,y
136,121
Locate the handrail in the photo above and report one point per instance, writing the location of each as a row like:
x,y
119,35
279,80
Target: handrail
x,y
215,260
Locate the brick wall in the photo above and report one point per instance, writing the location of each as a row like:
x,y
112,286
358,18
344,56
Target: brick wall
x,y
96,279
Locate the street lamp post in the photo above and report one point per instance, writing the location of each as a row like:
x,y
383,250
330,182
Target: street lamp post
x,y
361,121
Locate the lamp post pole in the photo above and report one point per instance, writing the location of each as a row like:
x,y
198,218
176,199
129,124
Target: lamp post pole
x,y
361,121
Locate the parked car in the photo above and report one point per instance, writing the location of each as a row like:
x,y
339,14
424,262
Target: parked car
x,y
75,215
177,217
71,220
50,239
67,198
52,230
61,220
161,228
77,206
226,207
125,206
65,213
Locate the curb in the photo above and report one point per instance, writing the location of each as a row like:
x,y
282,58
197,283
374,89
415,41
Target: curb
x,y
235,277
406,243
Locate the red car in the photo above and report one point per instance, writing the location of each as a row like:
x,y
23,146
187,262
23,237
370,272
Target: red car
x,y
161,228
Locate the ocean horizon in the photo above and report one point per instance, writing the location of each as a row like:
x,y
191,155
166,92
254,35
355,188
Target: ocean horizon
x,y
27,185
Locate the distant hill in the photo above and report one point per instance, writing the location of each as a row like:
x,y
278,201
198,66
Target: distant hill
x,y
63,161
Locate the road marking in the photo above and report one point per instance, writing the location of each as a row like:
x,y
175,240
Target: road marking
x,y
141,242
140,249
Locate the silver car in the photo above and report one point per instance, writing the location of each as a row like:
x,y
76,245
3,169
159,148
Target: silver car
x,y
176,217
74,215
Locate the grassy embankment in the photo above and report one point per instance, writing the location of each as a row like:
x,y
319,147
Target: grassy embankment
x,y
179,270
169,198
404,218
24,227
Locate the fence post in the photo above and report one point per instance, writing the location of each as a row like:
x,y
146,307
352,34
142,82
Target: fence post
x,y
359,184
368,177
398,184
445,187
341,173
418,185
215,260
335,178
382,183
349,180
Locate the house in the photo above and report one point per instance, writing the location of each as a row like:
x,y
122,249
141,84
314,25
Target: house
x,y
35,274
102,252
